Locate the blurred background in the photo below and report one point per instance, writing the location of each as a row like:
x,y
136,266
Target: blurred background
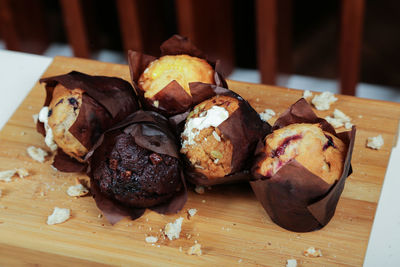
x,y
342,46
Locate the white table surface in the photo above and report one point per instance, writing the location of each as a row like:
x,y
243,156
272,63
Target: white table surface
x,y
19,72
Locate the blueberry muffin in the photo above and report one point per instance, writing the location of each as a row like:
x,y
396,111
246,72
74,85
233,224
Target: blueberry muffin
x,y
320,152
78,108
183,69
203,144
63,111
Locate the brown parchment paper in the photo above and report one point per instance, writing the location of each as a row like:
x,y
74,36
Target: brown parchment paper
x,y
151,131
172,99
243,128
295,198
106,101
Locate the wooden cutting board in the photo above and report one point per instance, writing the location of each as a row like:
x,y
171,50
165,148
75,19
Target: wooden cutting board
x,y
231,226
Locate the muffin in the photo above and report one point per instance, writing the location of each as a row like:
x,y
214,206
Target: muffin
x,y
63,111
203,144
300,169
168,84
79,108
133,175
218,138
135,165
320,152
183,69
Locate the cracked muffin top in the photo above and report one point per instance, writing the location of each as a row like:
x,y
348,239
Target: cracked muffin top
x,y
203,144
182,68
320,152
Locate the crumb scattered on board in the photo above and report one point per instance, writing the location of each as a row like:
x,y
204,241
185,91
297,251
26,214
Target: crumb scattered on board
x,y
307,94
37,153
172,230
291,263
191,212
199,189
151,239
323,101
195,250
59,215
35,118
339,119
77,190
6,176
375,142
267,114
312,252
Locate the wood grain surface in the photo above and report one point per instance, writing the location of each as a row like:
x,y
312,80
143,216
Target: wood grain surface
x,y
231,225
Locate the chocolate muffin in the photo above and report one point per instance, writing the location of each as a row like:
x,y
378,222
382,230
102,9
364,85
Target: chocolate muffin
x,y
136,162
183,69
320,152
79,108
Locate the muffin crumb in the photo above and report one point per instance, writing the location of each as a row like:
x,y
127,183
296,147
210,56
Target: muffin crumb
x,y
267,114
323,101
291,263
35,118
6,176
312,252
77,190
172,230
151,239
307,94
195,250
22,172
59,215
339,119
199,189
192,212
36,153
375,142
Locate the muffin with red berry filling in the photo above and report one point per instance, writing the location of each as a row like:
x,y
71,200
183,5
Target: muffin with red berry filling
x,y
320,152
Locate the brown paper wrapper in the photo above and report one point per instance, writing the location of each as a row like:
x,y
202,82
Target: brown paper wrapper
x,y
150,131
172,99
243,128
295,198
106,101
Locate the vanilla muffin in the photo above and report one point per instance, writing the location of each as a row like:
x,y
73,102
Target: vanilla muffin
x,y
63,111
184,69
320,152
203,144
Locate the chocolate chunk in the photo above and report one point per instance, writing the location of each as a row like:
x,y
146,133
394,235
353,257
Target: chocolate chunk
x,y
49,113
155,158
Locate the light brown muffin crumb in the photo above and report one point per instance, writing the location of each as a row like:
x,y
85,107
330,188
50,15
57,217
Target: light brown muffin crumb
x,y
195,250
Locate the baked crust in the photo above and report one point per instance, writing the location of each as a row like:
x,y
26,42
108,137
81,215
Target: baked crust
x,y
211,153
63,111
182,68
320,152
